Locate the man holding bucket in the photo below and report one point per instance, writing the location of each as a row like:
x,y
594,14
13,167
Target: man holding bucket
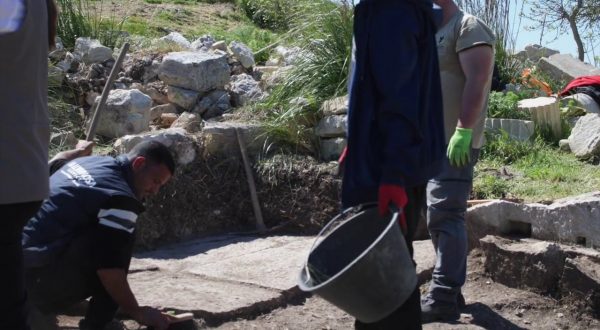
x,y
395,122
466,54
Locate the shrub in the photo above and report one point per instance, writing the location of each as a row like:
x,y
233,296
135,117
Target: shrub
x,y
268,14
502,105
83,18
321,73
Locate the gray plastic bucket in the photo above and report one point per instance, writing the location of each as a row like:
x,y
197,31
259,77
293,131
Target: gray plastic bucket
x,y
360,263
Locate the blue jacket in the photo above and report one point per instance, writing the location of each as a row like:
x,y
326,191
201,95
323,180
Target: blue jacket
x,y
87,195
395,118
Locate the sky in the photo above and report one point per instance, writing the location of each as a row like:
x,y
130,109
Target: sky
x,y
563,43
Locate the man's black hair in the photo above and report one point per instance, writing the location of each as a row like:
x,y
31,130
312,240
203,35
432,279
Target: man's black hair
x,y
154,152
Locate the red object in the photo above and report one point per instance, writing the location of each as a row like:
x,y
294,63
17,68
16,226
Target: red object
x,y
343,156
580,81
389,193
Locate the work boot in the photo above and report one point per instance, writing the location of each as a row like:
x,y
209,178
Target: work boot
x,y
112,325
460,301
432,311
41,321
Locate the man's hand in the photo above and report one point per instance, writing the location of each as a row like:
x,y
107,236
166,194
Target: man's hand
x,y
389,193
459,148
152,317
84,148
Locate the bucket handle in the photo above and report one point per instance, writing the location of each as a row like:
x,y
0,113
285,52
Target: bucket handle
x,y
356,209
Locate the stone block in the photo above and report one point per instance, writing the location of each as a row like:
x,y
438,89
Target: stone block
x,y
336,106
331,149
584,140
566,67
332,126
520,130
198,71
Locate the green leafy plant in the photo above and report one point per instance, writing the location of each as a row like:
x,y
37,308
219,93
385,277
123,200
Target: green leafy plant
x,y
502,105
268,14
321,72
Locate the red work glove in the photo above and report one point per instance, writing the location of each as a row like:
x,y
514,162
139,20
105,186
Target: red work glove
x,y
390,193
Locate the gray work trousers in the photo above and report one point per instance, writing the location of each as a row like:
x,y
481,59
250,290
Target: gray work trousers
x,y
447,196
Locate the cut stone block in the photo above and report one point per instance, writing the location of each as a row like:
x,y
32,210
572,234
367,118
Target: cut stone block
x,y
520,130
574,220
545,111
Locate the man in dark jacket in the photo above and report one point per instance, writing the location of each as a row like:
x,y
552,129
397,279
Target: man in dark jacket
x,y
395,120
80,242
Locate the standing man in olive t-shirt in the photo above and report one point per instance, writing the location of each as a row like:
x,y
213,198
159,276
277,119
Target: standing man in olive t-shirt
x,y
466,56
27,30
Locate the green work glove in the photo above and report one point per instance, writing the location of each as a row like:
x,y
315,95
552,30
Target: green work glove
x,y
459,148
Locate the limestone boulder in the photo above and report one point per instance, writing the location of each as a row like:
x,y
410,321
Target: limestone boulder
x,y
220,138
182,145
198,71
177,39
332,126
190,122
213,104
243,53
92,51
203,43
584,140
244,89
336,106
125,112
566,67
184,98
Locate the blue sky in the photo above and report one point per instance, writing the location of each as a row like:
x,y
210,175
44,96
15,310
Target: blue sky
x,y
563,43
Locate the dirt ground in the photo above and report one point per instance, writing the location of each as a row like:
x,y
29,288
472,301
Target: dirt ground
x,y
489,306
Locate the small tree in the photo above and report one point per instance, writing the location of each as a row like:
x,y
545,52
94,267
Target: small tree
x,y
577,15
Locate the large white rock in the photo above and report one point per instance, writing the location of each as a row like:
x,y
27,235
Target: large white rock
x,y
245,89
176,38
177,140
92,51
127,111
585,136
243,53
584,101
197,71
332,126
184,98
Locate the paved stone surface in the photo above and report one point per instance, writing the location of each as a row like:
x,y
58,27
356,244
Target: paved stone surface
x,y
227,276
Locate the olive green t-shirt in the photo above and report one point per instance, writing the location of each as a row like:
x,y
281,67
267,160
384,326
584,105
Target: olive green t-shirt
x,y
462,32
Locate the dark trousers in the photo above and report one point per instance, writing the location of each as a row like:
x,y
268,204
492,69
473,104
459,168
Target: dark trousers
x,y
407,316
12,305
69,280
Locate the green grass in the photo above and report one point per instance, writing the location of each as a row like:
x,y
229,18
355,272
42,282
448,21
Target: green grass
x,y
534,171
